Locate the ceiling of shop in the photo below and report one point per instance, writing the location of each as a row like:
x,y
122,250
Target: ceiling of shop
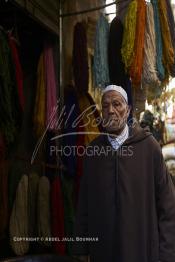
x,y
46,11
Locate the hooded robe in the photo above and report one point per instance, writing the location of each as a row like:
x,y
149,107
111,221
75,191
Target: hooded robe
x,y
126,208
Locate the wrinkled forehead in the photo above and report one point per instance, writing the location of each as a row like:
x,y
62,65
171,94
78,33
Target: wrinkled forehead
x,y
113,96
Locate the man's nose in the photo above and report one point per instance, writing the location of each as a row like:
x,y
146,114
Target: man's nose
x,y
111,109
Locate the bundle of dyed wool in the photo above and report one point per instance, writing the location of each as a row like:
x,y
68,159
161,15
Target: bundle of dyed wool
x,y
32,196
117,72
40,101
137,62
159,48
51,83
80,58
101,69
171,24
19,218
149,64
44,221
129,34
168,51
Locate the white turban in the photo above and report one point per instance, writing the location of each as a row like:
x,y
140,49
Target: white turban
x,y
118,89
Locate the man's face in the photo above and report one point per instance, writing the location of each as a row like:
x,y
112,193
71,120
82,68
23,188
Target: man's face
x,y
115,112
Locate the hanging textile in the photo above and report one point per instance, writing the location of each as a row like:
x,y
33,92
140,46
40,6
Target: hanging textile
x,y
72,112
18,69
79,171
149,65
129,34
10,113
168,51
44,221
101,69
40,101
171,24
15,175
82,141
159,48
80,58
117,72
69,211
19,218
33,197
57,216
3,188
96,113
51,93
88,119
138,52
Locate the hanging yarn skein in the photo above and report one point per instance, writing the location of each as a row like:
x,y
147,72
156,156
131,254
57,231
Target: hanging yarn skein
x,y
171,23
101,69
137,62
80,58
18,69
117,72
159,48
168,51
40,103
51,94
149,65
129,34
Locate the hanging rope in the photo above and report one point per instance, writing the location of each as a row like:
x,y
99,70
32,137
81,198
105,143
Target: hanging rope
x,y
159,49
137,62
149,64
129,34
168,52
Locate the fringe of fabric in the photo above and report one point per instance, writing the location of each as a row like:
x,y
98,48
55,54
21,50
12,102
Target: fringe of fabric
x,y
40,101
159,48
129,34
168,51
137,63
149,65
171,24
101,69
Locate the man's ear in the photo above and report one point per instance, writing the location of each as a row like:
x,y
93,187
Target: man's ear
x,y
128,110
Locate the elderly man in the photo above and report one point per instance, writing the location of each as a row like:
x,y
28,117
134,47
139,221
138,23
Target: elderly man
x,y
126,209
